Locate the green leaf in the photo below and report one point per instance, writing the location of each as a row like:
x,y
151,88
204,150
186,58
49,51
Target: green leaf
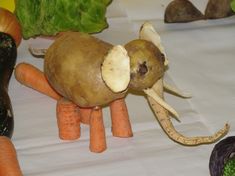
x,y
229,168
48,17
233,5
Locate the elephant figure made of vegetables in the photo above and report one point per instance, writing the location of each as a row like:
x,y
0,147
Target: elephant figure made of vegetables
x,y
84,74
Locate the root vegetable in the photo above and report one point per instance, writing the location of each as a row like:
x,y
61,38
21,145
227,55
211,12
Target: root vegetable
x,y
85,115
164,120
72,66
146,62
97,131
218,9
9,165
176,91
10,25
68,119
179,11
116,69
34,78
121,126
147,32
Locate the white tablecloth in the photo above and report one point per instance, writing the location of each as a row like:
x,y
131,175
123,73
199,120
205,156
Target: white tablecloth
x,y
202,62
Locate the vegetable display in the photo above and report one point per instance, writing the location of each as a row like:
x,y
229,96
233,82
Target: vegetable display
x,y
93,73
222,159
48,17
10,25
8,53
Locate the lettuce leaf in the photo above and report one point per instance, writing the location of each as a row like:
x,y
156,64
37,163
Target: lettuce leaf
x,y
48,17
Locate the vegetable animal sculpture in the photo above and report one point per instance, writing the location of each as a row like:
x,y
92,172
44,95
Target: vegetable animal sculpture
x,y
92,73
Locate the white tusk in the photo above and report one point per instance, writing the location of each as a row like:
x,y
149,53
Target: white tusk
x,y
176,91
147,32
39,52
159,100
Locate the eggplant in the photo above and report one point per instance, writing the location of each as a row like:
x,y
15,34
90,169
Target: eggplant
x,y
8,55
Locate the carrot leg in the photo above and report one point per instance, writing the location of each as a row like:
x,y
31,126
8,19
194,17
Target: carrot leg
x,y
9,165
85,115
121,126
68,119
97,131
32,77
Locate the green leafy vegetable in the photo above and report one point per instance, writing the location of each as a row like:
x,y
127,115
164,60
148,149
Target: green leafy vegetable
x,y
48,17
233,5
229,168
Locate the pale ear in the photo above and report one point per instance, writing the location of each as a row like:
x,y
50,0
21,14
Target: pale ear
x,y
115,69
147,32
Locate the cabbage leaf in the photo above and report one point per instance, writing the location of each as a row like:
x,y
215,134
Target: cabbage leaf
x,y
233,5
48,17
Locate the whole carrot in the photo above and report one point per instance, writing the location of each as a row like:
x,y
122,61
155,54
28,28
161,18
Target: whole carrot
x,y
97,131
121,126
9,165
34,78
68,119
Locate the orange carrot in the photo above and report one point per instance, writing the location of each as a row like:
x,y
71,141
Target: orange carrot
x,y
121,126
9,165
68,119
97,131
85,115
34,78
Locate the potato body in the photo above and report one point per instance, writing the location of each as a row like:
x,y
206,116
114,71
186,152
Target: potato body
x,y
73,68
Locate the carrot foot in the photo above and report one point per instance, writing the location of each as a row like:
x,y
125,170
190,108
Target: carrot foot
x,y
68,119
85,115
121,126
97,131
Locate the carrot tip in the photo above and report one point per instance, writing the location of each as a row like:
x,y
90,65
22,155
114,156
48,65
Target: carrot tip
x,y
122,134
97,149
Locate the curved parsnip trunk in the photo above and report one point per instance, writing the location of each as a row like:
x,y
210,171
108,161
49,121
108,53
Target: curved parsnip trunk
x,y
165,122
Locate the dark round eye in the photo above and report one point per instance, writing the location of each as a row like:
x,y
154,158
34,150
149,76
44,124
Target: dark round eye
x,y
143,69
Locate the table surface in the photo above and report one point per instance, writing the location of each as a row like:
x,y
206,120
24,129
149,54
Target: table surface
x,y
201,61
